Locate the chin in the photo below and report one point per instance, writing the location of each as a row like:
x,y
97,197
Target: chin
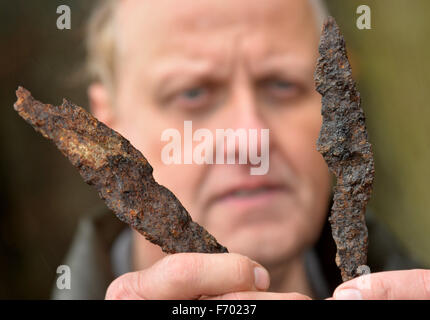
x,y
266,243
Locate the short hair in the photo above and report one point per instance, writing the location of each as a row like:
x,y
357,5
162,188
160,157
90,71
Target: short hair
x,y
100,39
100,42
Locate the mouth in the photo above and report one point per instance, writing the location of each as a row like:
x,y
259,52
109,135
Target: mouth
x,y
246,193
250,196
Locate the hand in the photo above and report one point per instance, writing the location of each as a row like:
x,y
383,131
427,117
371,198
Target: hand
x,y
390,285
198,276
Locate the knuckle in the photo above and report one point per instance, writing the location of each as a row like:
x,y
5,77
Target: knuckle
x,y
183,268
244,270
424,278
383,290
138,284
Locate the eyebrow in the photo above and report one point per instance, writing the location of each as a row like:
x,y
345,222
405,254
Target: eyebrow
x,y
180,71
171,75
282,65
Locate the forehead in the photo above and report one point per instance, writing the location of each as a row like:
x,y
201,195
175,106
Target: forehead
x,y
202,13
150,29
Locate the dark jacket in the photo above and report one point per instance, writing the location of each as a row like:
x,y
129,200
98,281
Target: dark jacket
x,y
101,251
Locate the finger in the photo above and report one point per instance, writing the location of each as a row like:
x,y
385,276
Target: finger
x,y
390,285
191,275
255,295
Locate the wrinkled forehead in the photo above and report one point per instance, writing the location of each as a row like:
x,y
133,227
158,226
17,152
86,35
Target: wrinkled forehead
x,y
144,26
211,12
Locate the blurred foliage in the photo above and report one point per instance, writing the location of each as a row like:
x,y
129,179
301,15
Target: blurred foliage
x,y
42,197
393,75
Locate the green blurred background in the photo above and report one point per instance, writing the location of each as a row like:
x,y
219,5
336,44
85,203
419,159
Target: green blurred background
x,y
42,197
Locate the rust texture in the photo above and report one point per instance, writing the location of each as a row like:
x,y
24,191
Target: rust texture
x,y
344,145
120,173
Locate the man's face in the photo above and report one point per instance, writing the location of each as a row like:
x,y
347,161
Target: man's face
x,y
229,64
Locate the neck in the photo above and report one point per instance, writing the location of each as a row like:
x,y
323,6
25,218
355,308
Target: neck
x,y
290,276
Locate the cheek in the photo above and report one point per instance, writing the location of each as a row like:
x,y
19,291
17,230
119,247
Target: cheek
x,y
143,125
297,135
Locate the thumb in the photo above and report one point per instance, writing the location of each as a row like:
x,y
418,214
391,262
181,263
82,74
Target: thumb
x,y
390,285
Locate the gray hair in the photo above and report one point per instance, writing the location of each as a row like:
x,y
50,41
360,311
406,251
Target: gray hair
x,y
100,41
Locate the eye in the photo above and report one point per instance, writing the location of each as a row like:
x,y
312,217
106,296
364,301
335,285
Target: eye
x,y
193,93
281,84
192,98
278,90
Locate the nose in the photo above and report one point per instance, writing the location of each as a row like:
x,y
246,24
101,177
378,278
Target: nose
x,y
245,112
250,129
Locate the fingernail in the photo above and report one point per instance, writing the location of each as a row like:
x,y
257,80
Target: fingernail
x,y
348,294
261,278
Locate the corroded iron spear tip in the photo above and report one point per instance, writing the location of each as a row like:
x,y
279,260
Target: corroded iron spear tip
x,y
344,144
120,173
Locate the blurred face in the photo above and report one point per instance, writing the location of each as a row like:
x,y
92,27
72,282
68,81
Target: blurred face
x,y
229,64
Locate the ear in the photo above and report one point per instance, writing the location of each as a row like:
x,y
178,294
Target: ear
x,y
100,103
